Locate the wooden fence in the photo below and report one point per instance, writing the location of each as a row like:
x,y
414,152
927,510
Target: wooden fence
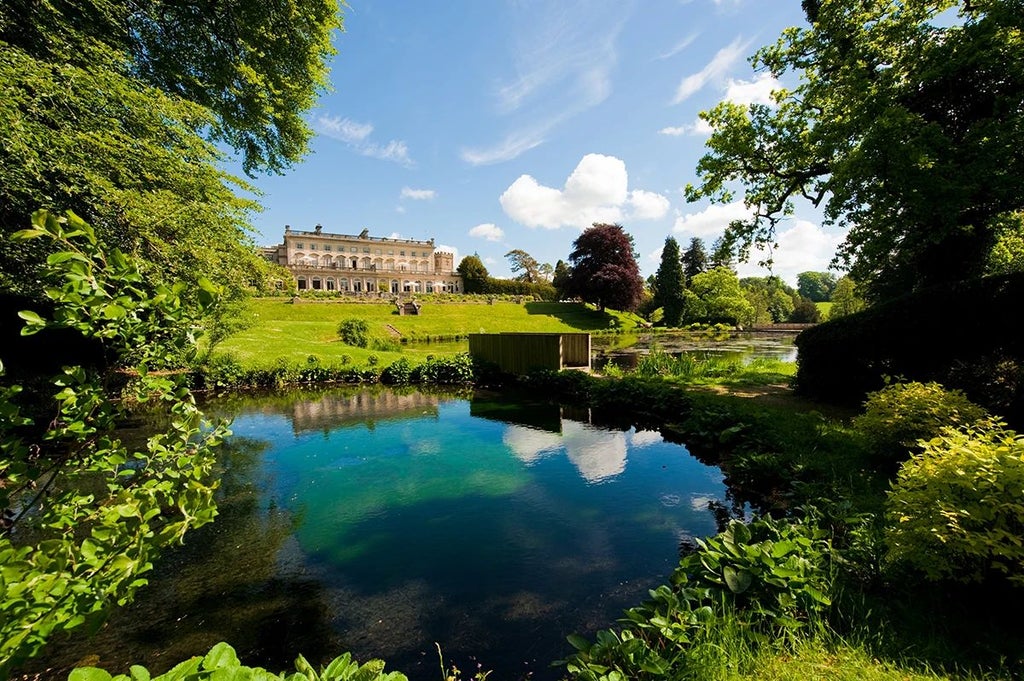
x,y
521,353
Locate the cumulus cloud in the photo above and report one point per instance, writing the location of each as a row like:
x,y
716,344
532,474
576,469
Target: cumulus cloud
x,y
714,70
757,91
488,231
418,194
596,191
357,136
711,221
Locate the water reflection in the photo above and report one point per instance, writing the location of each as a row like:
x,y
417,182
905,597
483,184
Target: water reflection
x,y
381,521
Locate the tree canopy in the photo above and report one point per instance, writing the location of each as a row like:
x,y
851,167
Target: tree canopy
x,y
474,274
604,269
695,258
816,286
526,268
906,126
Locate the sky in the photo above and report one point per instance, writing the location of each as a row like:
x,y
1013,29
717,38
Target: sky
x,y
493,125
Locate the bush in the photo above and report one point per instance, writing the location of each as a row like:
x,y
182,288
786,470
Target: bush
x,y
355,332
397,373
457,369
896,417
956,509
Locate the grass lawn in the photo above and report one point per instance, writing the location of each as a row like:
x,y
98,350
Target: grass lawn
x,y
291,331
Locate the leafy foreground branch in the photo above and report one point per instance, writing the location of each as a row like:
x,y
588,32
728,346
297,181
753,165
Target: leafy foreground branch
x,y
84,514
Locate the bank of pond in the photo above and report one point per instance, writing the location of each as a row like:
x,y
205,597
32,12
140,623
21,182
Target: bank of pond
x,y
626,528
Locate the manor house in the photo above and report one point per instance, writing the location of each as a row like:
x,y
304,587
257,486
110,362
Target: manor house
x,y
364,264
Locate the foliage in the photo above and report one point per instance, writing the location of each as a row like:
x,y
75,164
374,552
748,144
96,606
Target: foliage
x,y
816,286
541,290
956,509
84,514
695,259
560,279
805,312
454,370
354,332
879,133
720,298
398,372
770,297
474,274
604,269
758,582
526,268
844,359
222,663
845,299
901,414
669,284
1007,254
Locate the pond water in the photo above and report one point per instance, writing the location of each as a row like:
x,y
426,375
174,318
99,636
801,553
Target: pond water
x,y
384,522
624,350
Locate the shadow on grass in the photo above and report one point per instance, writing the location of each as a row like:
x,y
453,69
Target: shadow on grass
x,y
576,315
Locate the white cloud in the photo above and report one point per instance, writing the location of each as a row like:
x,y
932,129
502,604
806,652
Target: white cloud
x,y
357,136
488,231
647,205
698,127
711,221
757,91
802,246
595,191
418,194
507,149
714,70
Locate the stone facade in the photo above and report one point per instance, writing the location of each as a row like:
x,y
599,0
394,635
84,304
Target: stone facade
x,y
364,264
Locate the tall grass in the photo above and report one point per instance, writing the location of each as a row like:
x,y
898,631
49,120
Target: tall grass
x,y
695,368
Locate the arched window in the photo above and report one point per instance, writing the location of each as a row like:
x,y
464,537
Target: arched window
x,y
317,284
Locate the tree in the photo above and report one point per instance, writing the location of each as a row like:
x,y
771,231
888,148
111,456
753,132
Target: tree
x,y
721,298
805,312
669,284
845,299
816,286
474,274
256,67
904,127
695,259
525,267
604,269
722,254
770,297
103,111
1008,253
560,279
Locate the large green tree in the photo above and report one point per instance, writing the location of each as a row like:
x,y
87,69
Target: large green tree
x,y
604,269
474,274
905,125
669,284
695,258
114,110
816,286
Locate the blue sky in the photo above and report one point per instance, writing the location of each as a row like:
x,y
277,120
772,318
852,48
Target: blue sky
x,y
491,125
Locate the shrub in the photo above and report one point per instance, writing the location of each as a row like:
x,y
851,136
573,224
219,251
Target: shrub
x,y
956,509
457,369
896,417
354,332
398,372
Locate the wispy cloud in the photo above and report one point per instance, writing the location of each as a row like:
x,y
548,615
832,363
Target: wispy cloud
x,y
563,57
699,127
714,70
357,136
679,47
418,194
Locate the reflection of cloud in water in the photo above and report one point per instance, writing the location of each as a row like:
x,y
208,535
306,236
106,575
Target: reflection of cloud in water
x,y
670,500
598,454
700,502
528,444
644,438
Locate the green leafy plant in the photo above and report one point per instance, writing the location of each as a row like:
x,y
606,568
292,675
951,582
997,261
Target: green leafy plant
x,y
956,509
355,332
896,417
222,663
83,513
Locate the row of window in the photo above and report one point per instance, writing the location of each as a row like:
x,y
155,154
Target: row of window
x,y
366,249
371,286
389,265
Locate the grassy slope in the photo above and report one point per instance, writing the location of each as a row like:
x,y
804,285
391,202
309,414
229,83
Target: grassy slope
x,y
295,331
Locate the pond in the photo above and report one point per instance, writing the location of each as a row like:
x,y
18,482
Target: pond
x,y
384,522
624,350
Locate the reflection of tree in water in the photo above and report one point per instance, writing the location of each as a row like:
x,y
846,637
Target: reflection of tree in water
x,y
232,571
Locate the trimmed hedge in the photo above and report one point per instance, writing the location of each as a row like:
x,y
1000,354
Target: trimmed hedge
x,y
961,336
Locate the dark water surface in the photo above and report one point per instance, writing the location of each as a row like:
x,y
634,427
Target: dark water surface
x,y
381,522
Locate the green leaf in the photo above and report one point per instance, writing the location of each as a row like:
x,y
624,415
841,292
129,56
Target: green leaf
x,y
89,674
221,655
578,642
738,581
